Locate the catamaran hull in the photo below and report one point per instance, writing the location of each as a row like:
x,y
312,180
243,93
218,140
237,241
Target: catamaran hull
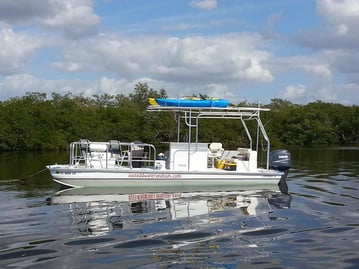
x,y
77,177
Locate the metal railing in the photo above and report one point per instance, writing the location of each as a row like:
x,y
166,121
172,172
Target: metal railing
x,y
112,154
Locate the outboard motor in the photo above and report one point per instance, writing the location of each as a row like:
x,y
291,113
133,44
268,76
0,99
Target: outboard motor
x,y
281,160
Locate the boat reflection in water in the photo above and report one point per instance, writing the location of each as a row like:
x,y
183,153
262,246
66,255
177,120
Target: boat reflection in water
x,y
100,211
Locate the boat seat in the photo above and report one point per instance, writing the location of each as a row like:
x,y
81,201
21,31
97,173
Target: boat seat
x,y
115,147
84,146
137,153
244,153
98,148
215,150
244,150
137,149
116,152
84,150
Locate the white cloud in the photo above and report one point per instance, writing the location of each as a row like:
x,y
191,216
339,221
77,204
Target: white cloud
x,y
255,71
339,29
294,92
204,4
22,83
23,10
316,65
322,70
114,86
19,84
349,94
342,19
337,12
239,66
326,94
220,90
74,18
68,66
203,59
333,93
345,61
17,50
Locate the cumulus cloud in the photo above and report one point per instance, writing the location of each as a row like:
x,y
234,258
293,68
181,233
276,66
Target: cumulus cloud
x,y
206,64
322,70
300,93
339,30
335,42
345,61
74,18
194,59
342,18
220,90
326,94
232,65
294,92
19,84
349,93
338,12
22,83
317,65
204,4
17,50
23,10
114,86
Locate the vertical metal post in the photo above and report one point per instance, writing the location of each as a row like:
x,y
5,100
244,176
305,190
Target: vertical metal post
x,y
189,140
178,115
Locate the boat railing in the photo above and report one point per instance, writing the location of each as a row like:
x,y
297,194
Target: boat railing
x,y
112,154
192,116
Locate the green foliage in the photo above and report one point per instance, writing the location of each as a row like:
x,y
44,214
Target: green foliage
x,y
316,123
38,122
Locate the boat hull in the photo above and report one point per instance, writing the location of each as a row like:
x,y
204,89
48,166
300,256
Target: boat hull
x,y
142,178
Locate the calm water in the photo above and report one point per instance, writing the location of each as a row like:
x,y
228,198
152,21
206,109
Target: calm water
x,y
316,227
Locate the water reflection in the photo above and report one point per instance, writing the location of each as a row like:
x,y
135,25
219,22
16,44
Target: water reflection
x,y
192,228
168,229
97,212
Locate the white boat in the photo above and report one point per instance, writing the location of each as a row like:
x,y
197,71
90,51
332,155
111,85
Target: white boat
x,y
189,164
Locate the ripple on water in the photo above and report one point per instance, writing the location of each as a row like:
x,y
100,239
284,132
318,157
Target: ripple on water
x,y
304,241
164,240
26,253
333,203
263,232
141,243
89,241
186,236
337,230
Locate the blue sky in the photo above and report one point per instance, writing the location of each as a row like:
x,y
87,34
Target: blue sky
x,y
242,50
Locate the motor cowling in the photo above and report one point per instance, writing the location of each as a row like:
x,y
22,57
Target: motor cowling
x,y
280,160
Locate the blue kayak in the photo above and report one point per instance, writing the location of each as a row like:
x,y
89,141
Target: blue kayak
x,y
186,102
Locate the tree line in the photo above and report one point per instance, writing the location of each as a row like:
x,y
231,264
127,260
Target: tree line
x,y
37,122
